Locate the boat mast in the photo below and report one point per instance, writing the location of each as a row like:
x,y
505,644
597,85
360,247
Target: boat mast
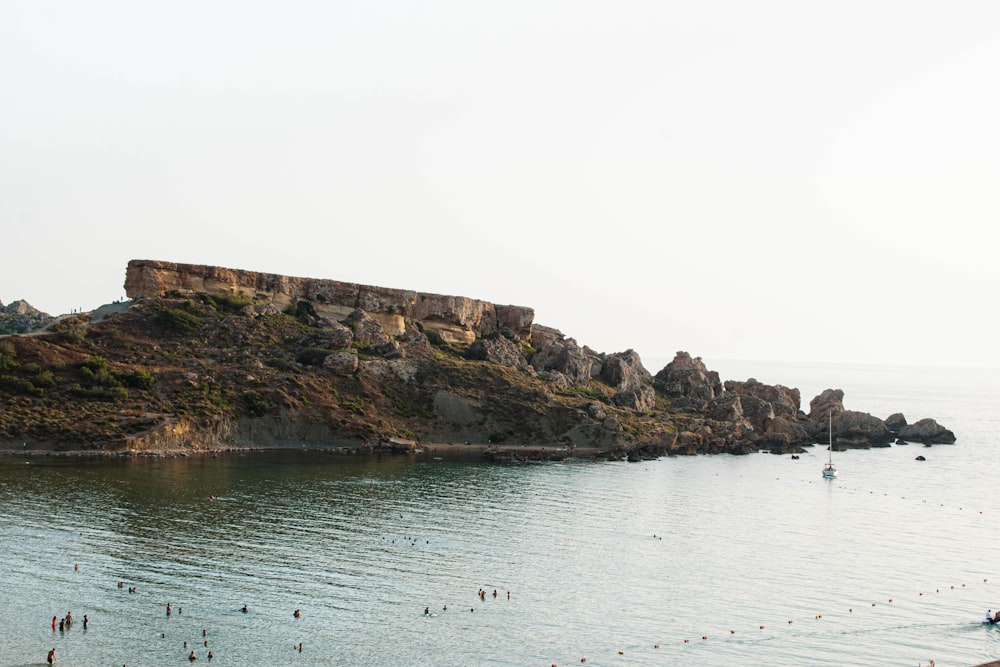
x,y
830,436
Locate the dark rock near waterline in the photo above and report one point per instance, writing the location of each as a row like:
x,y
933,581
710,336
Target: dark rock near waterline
x,y
928,432
895,422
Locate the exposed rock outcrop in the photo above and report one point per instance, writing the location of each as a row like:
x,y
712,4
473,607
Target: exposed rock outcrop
x,y
20,317
895,422
307,360
498,350
829,401
928,432
556,353
689,378
853,429
455,318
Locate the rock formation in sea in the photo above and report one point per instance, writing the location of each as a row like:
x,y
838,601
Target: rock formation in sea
x,y
209,357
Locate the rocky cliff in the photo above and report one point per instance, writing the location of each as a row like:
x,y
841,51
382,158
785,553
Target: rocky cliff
x,y
454,318
21,317
206,358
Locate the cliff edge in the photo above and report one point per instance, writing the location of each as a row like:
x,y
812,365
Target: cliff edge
x,y
208,358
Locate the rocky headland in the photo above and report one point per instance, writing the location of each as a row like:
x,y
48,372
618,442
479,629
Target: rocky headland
x,y
209,358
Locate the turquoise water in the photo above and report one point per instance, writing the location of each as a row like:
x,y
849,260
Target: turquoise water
x,y
617,563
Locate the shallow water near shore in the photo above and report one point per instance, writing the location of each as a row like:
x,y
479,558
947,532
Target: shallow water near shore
x,y
893,563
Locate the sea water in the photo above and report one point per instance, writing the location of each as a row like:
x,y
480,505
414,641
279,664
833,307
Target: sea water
x,y
709,560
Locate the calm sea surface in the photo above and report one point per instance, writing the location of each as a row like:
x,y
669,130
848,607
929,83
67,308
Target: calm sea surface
x,y
622,564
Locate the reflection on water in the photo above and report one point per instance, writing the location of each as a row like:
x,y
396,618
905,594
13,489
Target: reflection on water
x,y
597,558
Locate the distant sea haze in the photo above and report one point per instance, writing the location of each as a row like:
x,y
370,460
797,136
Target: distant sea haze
x,y
704,560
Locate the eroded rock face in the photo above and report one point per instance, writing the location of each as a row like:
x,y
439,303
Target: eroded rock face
x,y
624,371
415,344
783,400
554,352
738,417
20,317
895,422
640,399
455,318
928,432
498,350
342,363
368,333
688,377
829,401
851,429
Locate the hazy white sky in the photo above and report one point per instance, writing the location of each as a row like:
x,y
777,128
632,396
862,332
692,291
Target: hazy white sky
x,y
747,180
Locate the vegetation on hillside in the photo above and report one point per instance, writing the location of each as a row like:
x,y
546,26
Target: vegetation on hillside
x,y
205,360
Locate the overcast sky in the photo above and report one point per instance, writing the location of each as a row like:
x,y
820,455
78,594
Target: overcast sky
x,y
783,181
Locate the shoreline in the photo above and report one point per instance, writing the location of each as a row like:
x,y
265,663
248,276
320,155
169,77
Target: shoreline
x,y
495,453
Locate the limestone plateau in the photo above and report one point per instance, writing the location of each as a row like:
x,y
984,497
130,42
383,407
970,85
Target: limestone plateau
x,y
208,358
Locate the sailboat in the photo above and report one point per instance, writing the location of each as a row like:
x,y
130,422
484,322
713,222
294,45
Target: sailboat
x,y
829,471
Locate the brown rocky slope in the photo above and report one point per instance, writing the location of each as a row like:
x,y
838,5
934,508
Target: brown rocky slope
x,y
208,358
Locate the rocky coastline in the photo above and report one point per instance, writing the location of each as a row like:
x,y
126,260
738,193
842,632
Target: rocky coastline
x,y
204,359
